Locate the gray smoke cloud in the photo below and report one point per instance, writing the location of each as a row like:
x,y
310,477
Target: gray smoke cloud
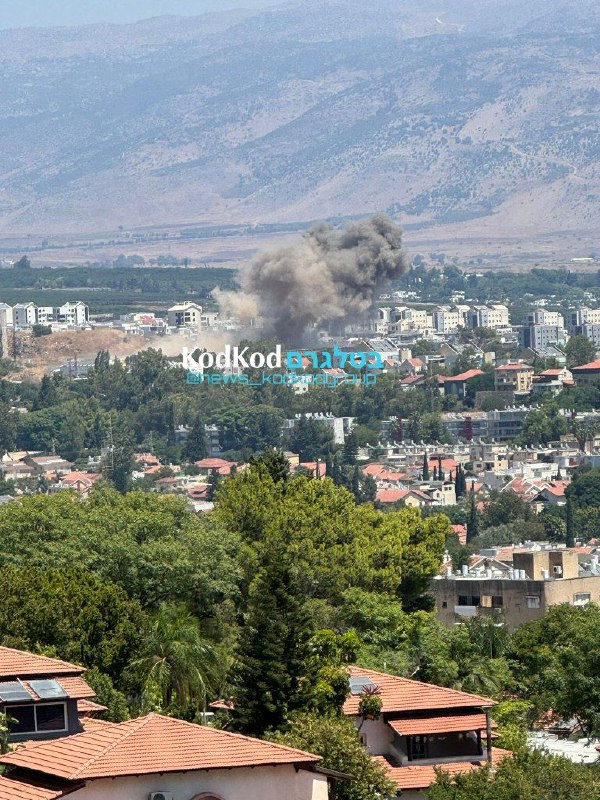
x,y
329,274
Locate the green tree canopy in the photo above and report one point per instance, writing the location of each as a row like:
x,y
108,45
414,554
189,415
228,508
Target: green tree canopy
x,y
337,741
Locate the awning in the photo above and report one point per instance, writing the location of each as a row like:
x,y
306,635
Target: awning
x,y
439,724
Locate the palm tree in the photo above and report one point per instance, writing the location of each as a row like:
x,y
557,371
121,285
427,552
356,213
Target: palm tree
x,y
177,662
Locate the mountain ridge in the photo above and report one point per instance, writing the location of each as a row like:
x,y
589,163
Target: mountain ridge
x,y
308,110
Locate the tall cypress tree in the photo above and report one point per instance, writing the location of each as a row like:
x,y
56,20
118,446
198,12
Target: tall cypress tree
x,y
275,676
425,474
472,520
570,523
195,447
350,449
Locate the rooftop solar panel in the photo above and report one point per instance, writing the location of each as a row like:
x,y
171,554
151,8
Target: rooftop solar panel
x,y
13,692
48,689
358,685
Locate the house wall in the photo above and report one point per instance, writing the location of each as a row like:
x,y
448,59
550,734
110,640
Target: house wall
x,y
377,735
515,610
260,783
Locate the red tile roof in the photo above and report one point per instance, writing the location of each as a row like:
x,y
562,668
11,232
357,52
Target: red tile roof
x,y
14,789
18,663
76,688
149,745
464,376
89,707
373,469
391,495
404,694
422,776
213,463
439,724
592,366
461,531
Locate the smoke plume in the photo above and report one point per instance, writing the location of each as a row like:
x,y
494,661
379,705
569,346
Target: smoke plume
x,y
329,274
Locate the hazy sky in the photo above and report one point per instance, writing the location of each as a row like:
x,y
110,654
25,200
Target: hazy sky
x,y
22,13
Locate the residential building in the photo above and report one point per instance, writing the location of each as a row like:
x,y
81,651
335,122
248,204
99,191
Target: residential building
x,y
24,315
587,373
185,315
74,314
457,385
421,728
552,380
582,316
537,580
538,336
541,316
6,314
489,316
450,353
500,425
66,752
340,426
517,377
591,331
161,757
446,319
41,696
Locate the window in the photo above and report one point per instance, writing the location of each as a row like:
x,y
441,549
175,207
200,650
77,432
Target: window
x,y
533,601
468,600
582,598
24,719
37,718
417,747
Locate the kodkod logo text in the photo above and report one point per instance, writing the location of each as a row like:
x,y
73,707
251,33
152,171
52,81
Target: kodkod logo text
x,y
231,362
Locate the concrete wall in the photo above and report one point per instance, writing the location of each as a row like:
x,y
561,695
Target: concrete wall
x,y
515,610
261,783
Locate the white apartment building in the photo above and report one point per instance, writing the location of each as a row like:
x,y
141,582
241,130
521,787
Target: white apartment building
x,y
24,315
72,313
583,316
540,316
446,319
185,315
6,315
489,316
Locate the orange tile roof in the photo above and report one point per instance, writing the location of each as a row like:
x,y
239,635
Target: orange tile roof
x,y
461,531
464,376
76,688
404,694
18,663
14,789
422,776
592,365
439,724
89,707
149,745
373,469
391,495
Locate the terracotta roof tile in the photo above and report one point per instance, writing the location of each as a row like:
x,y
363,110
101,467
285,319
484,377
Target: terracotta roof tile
x,y
464,376
14,789
438,724
76,688
19,663
404,694
391,495
422,776
149,745
89,707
